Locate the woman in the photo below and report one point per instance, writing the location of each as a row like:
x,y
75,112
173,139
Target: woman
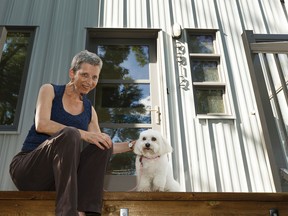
x,y
52,157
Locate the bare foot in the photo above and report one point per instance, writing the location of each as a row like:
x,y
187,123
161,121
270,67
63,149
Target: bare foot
x,y
81,214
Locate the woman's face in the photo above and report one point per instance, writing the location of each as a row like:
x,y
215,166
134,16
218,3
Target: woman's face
x,y
86,78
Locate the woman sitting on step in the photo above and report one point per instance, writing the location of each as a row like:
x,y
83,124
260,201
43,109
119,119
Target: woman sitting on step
x,y
52,157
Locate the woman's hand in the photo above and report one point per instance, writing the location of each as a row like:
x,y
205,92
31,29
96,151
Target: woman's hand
x,y
102,140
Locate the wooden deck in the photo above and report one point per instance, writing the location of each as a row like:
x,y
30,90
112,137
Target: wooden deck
x,y
160,203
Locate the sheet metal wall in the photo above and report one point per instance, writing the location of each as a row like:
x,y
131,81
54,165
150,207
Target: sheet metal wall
x,y
210,154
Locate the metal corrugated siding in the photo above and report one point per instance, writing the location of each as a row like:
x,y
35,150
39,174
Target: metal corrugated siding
x,y
210,155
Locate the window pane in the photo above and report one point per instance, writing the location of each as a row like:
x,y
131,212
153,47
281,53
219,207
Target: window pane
x,y
209,101
124,163
201,44
205,71
125,62
11,70
123,103
123,96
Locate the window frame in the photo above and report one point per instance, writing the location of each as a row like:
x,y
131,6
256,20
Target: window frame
x,y
3,34
208,85
149,81
120,35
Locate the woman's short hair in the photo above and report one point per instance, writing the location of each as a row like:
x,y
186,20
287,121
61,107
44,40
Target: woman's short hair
x,y
85,57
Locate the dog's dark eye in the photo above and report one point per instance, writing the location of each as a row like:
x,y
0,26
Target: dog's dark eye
x,y
144,138
154,139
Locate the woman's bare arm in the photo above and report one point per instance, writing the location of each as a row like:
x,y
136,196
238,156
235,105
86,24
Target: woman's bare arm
x,y
43,123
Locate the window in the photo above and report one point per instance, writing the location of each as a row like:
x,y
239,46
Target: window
x,y
15,49
208,83
122,97
126,94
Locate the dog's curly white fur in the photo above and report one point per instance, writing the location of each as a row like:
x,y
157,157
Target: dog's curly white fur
x,y
154,172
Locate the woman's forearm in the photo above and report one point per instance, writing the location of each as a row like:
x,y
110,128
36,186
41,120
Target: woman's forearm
x,y
122,147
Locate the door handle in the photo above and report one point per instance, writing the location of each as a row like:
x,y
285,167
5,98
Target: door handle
x,y
157,114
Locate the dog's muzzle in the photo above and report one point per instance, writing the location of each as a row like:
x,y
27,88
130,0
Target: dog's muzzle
x,y
147,145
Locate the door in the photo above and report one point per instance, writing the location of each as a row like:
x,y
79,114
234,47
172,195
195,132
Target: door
x,y
126,99
267,60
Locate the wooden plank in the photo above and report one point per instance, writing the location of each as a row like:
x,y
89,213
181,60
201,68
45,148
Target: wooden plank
x,y
157,196
27,207
200,208
200,196
153,203
27,195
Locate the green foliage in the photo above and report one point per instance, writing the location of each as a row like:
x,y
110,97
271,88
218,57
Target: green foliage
x,y
11,70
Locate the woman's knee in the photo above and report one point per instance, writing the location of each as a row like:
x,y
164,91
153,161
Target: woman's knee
x,y
108,152
72,133
70,139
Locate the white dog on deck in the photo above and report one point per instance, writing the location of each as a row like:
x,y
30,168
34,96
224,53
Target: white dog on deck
x,y
154,172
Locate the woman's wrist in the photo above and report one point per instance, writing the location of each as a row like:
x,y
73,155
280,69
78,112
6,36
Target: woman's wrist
x,y
131,144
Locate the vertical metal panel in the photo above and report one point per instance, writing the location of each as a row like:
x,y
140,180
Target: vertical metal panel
x,y
8,148
209,155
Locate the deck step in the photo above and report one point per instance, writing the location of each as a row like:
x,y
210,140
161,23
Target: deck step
x,y
154,203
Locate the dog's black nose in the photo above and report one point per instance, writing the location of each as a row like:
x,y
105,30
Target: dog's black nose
x,y
147,145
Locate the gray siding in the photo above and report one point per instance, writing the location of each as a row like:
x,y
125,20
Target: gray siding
x,y
210,154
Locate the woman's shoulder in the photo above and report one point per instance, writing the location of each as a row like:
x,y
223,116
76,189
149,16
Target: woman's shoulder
x,y
45,92
52,88
47,87
55,86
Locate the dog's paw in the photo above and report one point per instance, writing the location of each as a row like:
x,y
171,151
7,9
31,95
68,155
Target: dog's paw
x,y
144,189
158,188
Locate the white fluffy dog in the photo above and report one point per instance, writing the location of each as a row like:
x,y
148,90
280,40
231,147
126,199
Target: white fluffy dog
x,y
154,172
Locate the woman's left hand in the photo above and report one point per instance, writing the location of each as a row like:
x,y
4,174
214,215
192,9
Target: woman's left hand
x,y
101,140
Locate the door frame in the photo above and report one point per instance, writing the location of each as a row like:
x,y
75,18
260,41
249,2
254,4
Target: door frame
x,y
255,45
143,36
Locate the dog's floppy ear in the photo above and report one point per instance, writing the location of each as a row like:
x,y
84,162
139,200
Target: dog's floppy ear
x,y
136,147
166,147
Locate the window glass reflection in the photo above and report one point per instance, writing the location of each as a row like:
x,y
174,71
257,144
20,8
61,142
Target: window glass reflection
x,y
123,97
201,44
124,163
11,69
205,71
123,103
209,101
127,62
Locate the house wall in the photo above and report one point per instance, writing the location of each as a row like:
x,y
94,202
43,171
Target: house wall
x,y
210,154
